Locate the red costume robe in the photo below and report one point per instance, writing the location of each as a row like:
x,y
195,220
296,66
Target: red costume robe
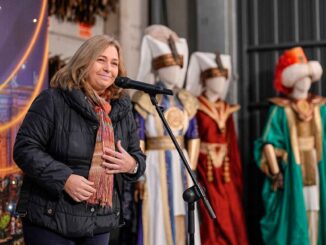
x,y
220,172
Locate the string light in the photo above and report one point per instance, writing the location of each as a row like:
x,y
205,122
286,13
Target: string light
x,y
30,46
17,118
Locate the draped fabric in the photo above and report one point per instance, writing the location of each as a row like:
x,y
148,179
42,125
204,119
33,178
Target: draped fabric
x,y
285,220
104,138
166,179
225,197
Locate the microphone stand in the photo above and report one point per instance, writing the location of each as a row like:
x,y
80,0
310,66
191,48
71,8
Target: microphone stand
x,y
192,194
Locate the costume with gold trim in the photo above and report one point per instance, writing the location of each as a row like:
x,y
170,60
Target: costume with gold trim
x,y
295,128
220,171
166,176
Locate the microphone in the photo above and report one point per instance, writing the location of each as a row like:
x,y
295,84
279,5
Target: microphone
x,y
125,82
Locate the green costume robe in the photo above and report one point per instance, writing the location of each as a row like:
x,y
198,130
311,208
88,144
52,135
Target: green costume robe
x,y
285,219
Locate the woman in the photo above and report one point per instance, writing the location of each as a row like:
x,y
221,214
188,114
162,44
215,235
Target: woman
x,y
66,149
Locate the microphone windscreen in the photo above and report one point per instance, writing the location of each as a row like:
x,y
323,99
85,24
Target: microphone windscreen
x,y
122,82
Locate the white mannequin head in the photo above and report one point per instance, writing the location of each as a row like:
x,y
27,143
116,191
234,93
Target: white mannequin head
x,y
170,76
299,78
294,74
214,87
153,62
301,88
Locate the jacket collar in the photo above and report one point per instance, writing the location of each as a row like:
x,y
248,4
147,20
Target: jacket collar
x,y
120,108
78,100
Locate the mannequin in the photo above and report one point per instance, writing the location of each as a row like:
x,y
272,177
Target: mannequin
x,y
215,87
290,154
164,59
219,168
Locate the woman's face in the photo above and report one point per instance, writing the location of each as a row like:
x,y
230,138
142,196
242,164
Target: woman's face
x,y
105,69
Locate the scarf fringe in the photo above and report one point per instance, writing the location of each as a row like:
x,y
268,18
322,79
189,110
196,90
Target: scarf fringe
x,y
104,185
103,182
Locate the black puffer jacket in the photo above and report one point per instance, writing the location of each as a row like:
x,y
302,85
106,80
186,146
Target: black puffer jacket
x,y
56,139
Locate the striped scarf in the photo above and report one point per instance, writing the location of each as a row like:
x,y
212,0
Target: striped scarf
x,y
105,138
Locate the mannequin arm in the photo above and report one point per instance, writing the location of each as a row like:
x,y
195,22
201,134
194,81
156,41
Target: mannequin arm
x,y
142,145
193,152
139,192
276,175
271,159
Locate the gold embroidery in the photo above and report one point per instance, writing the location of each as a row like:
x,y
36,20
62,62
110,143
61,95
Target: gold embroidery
x,y
308,136
215,151
175,118
283,102
166,60
307,150
217,156
219,111
293,133
166,214
214,72
308,167
189,102
226,170
304,124
163,143
303,109
145,217
318,132
306,143
143,104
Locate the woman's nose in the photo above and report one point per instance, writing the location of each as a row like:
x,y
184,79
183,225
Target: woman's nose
x,y
106,67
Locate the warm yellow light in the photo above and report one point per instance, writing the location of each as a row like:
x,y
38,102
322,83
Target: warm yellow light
x,y
17,118
30,46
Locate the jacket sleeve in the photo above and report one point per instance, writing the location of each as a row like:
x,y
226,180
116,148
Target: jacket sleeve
x,y
134,149
30,150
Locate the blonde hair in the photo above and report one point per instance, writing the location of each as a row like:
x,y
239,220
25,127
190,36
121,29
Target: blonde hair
x,y
73,75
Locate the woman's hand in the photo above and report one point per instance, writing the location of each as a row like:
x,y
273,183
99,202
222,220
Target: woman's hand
x,y
118,161
79,188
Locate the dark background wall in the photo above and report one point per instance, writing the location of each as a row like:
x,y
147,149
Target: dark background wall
x,y
255,33
266,28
